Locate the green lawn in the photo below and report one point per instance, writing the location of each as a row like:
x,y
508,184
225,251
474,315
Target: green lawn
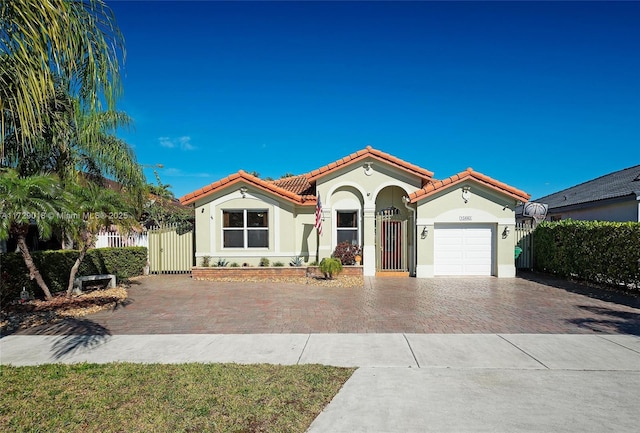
x,y
125,397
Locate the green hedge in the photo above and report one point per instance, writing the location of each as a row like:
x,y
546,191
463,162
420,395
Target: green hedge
x,y
55,267
601,252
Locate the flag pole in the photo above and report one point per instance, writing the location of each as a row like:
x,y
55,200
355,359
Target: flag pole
x,y
317,247
318,225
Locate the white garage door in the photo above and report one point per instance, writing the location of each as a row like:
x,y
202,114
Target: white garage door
x,y
463,249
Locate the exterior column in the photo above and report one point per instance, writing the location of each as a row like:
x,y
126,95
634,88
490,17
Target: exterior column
x,y
324,249
369,242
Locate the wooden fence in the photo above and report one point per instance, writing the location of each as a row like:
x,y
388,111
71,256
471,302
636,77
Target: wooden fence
x,y
113,239
170,248
524,240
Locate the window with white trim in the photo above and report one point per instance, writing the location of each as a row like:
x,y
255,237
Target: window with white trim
x,y
347,227
245,228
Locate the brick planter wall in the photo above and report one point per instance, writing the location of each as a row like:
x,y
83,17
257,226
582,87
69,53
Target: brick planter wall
x,y
198,272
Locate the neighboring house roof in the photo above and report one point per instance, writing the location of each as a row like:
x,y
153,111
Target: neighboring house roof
x,y
370,152
469,174
621,183
245,177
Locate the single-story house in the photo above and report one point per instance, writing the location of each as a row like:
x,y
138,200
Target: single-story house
x,y
612,197
406,221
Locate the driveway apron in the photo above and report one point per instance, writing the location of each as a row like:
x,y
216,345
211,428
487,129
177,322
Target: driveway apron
x,y
177,304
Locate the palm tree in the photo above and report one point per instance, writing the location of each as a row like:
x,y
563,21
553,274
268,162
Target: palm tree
x,y
97,207
162,190
30,200
77,142
79,45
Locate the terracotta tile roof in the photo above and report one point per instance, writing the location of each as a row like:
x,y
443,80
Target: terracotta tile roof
x,y
296,184
468,174
246,178
301,189
370,152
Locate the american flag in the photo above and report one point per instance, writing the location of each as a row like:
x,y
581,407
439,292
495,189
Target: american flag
x,y
318,224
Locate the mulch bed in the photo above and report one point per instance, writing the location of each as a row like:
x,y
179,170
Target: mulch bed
x,y
22,315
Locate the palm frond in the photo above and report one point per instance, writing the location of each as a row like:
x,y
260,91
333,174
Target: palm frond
x,y
42,40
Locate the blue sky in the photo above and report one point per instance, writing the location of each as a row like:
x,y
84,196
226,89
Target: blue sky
x,y
539,95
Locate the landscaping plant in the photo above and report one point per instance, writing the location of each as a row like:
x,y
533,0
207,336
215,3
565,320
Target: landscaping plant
x,y
330,266
347,252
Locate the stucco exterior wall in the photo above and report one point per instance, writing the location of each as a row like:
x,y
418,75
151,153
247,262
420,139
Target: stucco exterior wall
x,y
483,206
291,230
365,187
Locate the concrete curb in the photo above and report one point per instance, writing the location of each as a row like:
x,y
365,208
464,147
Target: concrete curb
x,y
460,351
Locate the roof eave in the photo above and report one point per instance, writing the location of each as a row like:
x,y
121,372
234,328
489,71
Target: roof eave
x,y
243,177
369,152
469,175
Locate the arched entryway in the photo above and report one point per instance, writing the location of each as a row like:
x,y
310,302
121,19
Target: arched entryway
x,y
393,232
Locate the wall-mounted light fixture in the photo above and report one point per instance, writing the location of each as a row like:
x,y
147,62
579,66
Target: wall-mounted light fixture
x,y
506,232
466,193
425,232
368,169
243,192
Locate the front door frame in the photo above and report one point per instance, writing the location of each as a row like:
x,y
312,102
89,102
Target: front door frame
x,y
392,246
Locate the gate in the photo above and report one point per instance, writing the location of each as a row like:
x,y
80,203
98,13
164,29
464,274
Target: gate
x,y
524,240
170,249
391,243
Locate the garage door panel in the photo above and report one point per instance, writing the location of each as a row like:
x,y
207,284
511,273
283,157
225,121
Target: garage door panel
x,y
471,270
463,249
451,270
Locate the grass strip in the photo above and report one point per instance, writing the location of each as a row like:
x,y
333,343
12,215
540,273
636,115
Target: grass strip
x,y
127,397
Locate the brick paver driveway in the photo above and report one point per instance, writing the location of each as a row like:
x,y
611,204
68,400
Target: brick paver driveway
x,y
176,304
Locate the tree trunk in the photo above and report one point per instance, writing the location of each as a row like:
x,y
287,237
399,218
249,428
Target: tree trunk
x,y
33,271
74,269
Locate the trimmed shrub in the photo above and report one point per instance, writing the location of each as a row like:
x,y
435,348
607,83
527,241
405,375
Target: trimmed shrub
x,y
55,267
264,262
347,252
596,251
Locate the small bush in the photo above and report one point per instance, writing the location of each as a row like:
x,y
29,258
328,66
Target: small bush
x,y
264,262
278,264
347,252
330,266
206,261
234,265
221,263
296,261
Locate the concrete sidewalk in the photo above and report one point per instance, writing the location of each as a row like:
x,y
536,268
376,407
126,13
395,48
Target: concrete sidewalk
x,y
410,382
